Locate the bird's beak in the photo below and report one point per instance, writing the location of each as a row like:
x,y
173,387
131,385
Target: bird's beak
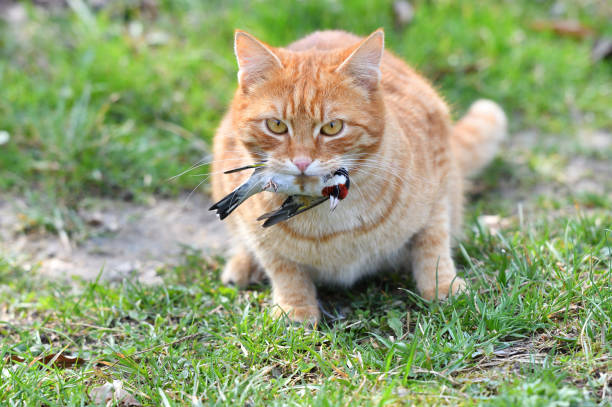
x,y
333,202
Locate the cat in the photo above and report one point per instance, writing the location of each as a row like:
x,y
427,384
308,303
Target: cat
x,y
333,100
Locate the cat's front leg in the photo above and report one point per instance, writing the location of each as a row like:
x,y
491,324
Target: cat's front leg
x,y
242,269
432,265
293,291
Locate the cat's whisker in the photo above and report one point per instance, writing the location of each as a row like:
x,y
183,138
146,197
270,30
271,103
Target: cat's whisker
x,y
200,164
193,190
396,180
358,189
247,154
206,174
207,161
372,164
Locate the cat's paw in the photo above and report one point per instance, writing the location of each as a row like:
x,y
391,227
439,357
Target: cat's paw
x,y
454,286
242,270
308,313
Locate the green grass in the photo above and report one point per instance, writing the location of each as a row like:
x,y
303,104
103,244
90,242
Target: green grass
x,y
533,328
114,102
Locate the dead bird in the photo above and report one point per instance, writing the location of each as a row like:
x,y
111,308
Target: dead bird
x,y
331,186
336,190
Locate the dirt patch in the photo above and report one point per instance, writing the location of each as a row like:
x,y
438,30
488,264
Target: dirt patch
x,y
125,240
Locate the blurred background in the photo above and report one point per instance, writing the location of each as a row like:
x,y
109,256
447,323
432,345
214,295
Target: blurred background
x,y
103,103
108,99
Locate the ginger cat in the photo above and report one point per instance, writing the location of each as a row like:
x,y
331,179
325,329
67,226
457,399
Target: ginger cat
x,y
334,100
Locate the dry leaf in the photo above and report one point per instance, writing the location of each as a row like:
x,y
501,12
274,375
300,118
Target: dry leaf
x,y
113,394
54,359
566,28
60,360
14,358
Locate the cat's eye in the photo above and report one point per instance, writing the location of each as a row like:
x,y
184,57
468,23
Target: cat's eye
x,y
276,126
332,128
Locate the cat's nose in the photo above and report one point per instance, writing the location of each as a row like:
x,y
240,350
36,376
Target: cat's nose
x,y
302,163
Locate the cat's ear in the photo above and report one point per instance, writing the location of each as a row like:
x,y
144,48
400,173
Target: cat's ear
x,y
255,59
363,64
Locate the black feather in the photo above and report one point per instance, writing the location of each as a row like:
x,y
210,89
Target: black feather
x,y
229,203
246,167
294,205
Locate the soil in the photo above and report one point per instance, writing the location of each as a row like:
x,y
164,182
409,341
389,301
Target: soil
x,y
124,240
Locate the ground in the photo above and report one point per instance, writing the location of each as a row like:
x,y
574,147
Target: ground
x,y
124,240
109,266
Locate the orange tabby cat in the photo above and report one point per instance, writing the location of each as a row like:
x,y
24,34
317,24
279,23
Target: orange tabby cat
x,y
334,100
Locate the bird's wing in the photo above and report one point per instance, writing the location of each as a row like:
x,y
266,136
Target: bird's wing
x,y
230,202
294,205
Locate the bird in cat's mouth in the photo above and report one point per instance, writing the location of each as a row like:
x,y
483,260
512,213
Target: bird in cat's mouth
x,y
302,196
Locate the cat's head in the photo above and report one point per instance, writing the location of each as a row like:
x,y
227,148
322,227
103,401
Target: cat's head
x,y
309,112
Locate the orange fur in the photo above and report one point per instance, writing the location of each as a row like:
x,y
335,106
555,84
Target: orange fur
x,y
405,159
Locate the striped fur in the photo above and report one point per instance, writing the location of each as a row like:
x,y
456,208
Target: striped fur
x,y
406,160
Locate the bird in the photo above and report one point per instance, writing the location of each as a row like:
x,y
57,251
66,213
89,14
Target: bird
x,y
333,187
336,189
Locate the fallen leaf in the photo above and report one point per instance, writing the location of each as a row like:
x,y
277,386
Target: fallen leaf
x,y
566,28
15,358
113,394
54,359
60,360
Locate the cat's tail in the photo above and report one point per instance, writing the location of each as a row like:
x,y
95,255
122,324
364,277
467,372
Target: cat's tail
x,y
476,137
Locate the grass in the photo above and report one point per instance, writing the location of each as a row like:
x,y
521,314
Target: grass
x,y
114,102
534,328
